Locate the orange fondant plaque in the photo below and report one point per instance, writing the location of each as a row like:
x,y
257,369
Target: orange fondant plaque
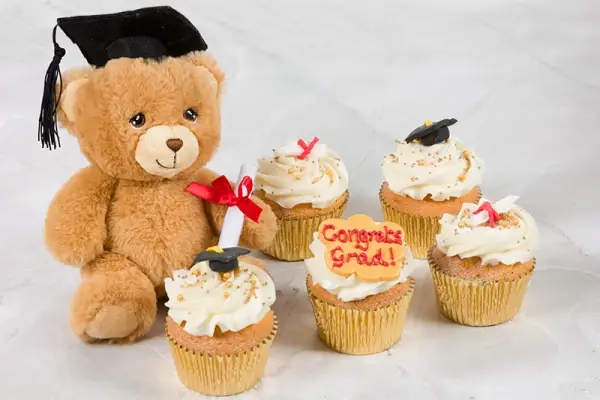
x,y
358,245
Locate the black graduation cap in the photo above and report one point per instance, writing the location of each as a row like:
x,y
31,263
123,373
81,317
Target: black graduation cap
x,y
222,260
152,32
431,133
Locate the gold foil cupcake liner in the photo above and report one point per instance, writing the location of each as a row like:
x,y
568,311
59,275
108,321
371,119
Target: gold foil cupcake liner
x,y
360,332
221,375
420,231
476,303
295,234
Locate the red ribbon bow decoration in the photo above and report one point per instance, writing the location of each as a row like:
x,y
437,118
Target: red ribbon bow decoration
x,y
493,215
221,192
306,148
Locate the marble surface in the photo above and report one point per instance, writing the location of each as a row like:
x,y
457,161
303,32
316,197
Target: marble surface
x,y
521,77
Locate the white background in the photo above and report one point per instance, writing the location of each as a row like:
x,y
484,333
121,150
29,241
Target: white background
x,y
521,77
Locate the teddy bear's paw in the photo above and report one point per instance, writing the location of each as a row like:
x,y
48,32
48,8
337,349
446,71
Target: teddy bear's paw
x,y
260,235
98,318
112,322
115,302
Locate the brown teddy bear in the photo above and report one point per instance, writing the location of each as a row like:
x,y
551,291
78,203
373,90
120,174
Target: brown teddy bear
x,y
146,115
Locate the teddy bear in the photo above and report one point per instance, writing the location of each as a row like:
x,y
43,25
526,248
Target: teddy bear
x,y
146,115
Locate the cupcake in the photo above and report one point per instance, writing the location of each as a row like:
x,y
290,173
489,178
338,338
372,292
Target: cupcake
x,y
358,284
220,325
429,175
483,260
304,184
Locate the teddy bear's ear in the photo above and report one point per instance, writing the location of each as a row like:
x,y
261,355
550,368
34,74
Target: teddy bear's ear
x,y
204,59
72,83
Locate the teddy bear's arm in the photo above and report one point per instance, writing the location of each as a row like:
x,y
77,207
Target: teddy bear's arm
x,y
75,225
254,235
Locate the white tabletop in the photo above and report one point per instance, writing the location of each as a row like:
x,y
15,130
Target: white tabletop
x,y
522,78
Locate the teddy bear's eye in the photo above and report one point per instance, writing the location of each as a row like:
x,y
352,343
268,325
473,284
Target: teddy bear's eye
x,y
138,120
190,114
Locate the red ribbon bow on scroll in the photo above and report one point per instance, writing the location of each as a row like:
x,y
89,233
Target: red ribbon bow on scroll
x,y
493,216
221,193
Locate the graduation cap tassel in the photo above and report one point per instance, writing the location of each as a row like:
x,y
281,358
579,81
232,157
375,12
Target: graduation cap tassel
x,y
47,125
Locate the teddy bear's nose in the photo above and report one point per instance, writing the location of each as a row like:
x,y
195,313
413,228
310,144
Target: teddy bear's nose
x,y
174,144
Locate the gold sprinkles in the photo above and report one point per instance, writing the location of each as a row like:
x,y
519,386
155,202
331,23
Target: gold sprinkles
x,y
180,297
508,220
330,175
463,176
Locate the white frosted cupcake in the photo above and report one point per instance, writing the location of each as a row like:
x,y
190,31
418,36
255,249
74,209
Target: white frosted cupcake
x,y
304,183
430,174
483,261
359,285
220,324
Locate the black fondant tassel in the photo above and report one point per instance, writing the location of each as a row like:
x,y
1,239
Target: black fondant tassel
x,y
47,125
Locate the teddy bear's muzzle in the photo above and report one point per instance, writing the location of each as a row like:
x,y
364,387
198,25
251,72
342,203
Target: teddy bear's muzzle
x,y
166,150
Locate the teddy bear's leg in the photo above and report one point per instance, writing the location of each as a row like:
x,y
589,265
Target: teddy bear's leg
x,y
115,301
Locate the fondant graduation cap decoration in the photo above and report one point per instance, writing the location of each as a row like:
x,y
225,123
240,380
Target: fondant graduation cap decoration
x,y
222,260
152,33
431,133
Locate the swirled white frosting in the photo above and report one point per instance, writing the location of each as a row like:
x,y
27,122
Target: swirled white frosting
x,y
349,288
204,301
513,240
443,171
319,179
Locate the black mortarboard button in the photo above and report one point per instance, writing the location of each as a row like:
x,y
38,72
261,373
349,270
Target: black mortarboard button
x,y
431,133
222,260
152,33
